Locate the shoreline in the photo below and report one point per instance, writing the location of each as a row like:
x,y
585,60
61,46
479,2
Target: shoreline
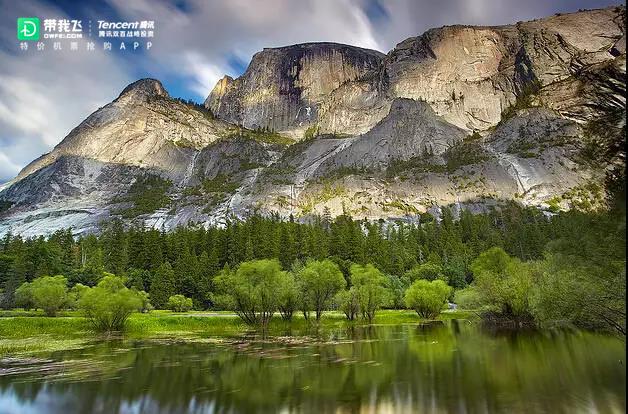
x,y
28,333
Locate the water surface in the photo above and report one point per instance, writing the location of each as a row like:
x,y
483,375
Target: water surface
x,y
441,368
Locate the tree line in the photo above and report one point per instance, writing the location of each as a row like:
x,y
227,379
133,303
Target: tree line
x,y
584,251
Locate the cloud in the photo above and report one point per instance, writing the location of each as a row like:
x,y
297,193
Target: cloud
x,y
409,18
8,168
44,95
201,41
204,74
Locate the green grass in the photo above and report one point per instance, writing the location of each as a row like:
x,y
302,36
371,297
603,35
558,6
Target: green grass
x,y
464,153
28,332
268,137
219,184
422,163
148,194
328,192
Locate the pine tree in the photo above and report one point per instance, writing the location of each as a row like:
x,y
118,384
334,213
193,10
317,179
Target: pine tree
x,y
14,281
162,285
186,270
114,245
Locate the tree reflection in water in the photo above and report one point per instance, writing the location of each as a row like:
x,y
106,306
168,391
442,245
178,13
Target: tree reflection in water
x,y
451,367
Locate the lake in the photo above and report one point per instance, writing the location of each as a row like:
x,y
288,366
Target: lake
x,y
448,367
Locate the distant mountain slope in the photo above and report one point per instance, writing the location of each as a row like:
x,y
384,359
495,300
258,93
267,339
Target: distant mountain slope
x,y
533,112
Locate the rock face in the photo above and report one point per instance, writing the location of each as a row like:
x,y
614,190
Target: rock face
x,y
283,87
459,115
411,129
470,75
143,127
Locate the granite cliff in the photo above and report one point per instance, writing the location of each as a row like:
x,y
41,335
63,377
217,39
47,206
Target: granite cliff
x,y
471,116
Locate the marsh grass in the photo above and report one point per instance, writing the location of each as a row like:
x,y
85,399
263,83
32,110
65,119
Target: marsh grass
x,y
28,332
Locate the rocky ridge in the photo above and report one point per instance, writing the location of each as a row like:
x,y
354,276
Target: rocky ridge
x,y
459,115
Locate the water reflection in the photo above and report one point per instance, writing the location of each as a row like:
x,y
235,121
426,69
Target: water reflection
x,y
454,367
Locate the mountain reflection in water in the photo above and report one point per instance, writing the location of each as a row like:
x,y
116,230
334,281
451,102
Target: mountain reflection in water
x,y
453,367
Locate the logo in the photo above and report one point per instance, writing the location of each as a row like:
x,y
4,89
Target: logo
x,y
28,28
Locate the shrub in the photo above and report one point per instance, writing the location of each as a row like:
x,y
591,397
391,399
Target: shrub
x,y
109,304
369,284
503,282
349,303
320,281
145,305
179,303
24,296
311,132
74,295
427,298
428,271
253,291
50,293
468,298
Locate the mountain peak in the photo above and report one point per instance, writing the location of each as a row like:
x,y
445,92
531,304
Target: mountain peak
x,y
322,46
283,87
144,88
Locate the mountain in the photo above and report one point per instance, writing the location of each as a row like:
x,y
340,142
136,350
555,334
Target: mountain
x,y
473,116
283,88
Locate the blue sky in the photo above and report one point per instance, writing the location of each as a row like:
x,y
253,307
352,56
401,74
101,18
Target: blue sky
x,y
44,95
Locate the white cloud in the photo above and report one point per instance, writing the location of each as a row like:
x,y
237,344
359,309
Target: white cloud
x,y
198,43
44,95
204,73
409,18
8,168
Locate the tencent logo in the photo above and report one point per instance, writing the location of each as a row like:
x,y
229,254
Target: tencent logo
x,y
28,28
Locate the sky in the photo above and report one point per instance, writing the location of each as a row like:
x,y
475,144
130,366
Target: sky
x,y
44,94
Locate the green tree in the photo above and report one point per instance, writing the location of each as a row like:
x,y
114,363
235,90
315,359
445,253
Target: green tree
x,y
14,281
427,297
369,284
208,269
186,269
109,304
455,272
75,293
50,293
138,279
568,293
504,283
24,296
583,279
319,281
289,300
349,303
145,305
162,285
253,291
115,250
468,298
428,271
92,265
179,303
396,287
